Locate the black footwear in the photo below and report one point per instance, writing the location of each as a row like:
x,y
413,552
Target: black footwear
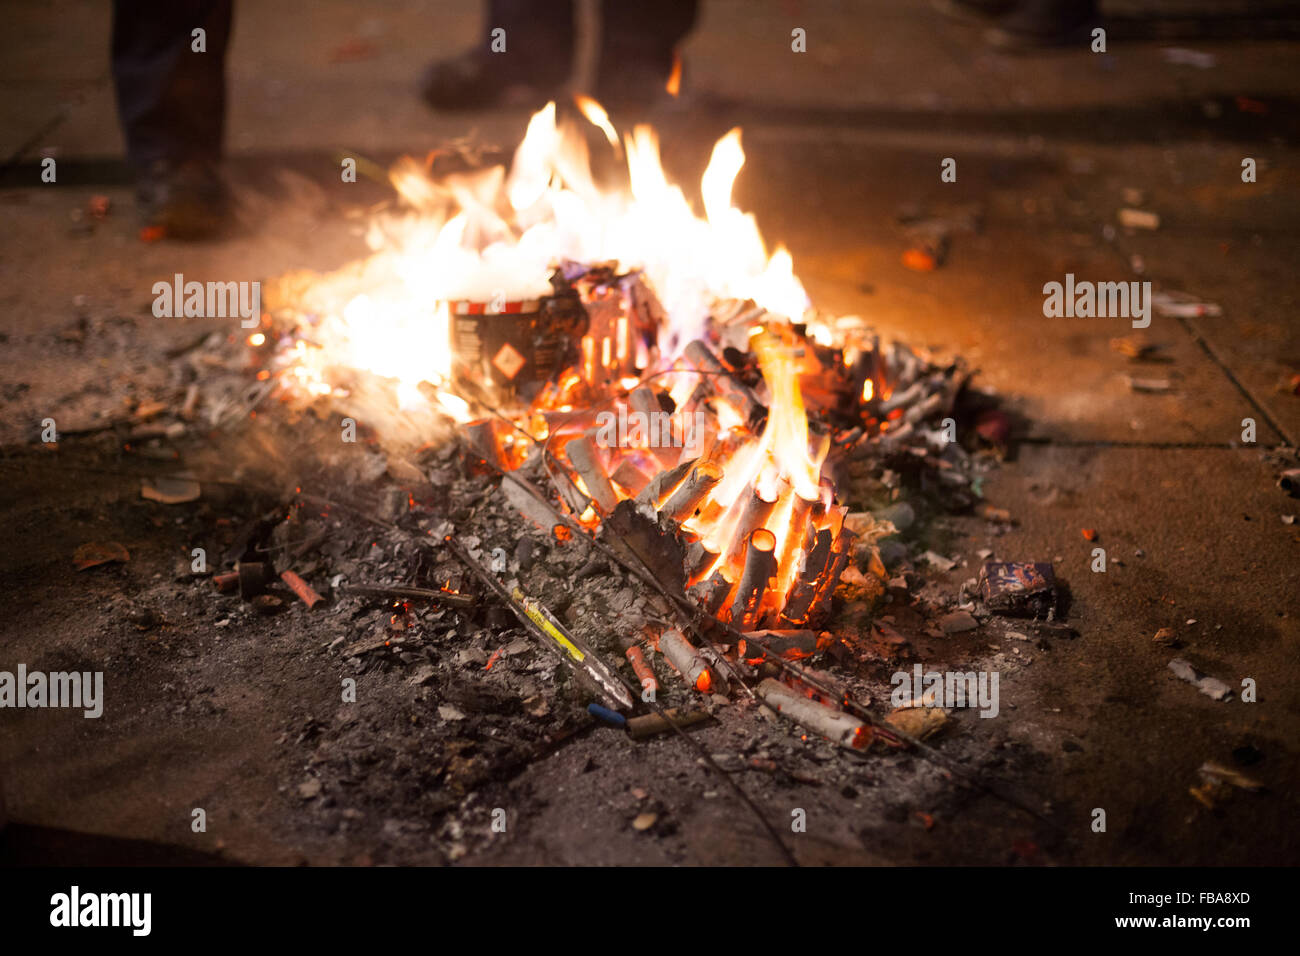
x,y
475,80
1043,23
186,200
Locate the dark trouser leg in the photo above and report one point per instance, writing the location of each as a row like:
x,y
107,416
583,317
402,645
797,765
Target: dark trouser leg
x,y
171,101
537,59
643,34
539,37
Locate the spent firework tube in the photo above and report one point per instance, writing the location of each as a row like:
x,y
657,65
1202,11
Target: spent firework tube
x,y
683,656
836,725
641,667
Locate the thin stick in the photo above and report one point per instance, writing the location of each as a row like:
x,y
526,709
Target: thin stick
x,y
356,511
449,598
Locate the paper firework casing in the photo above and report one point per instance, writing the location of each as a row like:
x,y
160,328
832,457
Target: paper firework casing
x,y
511,348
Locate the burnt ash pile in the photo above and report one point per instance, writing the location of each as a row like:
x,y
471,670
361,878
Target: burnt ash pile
x,y
445,581
343,558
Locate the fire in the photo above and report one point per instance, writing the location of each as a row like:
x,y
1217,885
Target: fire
x,y
674,85
497,234
596,114
487,242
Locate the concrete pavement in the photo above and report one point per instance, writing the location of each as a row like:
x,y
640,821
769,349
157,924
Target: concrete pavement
x,y
838,140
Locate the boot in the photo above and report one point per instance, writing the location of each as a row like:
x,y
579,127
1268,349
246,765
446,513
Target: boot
x,y
186,200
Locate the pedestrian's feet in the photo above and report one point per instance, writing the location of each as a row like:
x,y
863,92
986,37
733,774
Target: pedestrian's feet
x,y
1043,23
475,80
184,200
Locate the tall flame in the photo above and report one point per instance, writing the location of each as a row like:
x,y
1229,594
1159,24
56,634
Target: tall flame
x,y
496,233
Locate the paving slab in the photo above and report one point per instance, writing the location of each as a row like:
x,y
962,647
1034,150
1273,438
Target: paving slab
x,y
1041,221
1204,552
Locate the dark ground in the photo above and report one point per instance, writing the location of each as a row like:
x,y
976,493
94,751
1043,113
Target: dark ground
x,y
235,717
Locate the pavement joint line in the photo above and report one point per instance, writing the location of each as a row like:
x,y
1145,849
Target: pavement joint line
x,y
1200,340
1195,334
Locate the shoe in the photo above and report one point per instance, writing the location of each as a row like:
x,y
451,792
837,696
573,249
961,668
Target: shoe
x,y
1043,23
475,80
186,200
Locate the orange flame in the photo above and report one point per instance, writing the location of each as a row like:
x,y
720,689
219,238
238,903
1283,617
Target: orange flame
x,y
599,118
674,84
495,233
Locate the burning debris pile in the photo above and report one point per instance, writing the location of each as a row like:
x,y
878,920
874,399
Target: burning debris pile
x,y
649,388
